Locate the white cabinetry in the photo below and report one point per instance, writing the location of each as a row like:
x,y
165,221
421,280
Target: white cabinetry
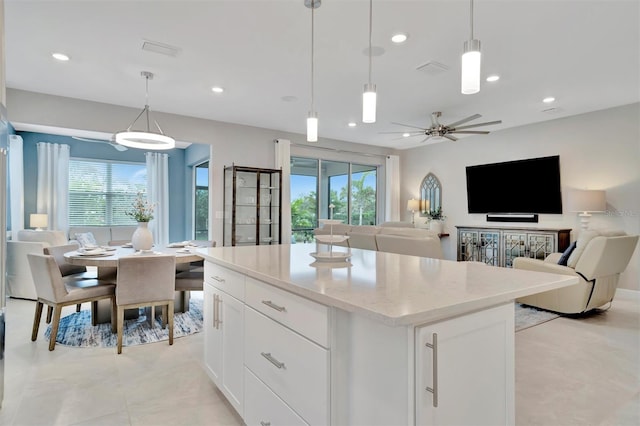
x,y
464,370
224,332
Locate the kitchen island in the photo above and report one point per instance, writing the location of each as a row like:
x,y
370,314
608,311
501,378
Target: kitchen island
x,y
383,339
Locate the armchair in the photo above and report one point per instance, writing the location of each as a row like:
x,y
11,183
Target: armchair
x,y
598,267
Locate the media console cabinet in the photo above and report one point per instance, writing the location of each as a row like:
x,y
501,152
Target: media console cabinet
x,y
498,246
383,339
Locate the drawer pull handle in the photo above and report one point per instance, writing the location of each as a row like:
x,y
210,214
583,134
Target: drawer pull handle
x,y
217,278
434,389
272,360
272,305
263,423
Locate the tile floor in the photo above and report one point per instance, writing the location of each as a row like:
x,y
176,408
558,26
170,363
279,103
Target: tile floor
x,y
568,372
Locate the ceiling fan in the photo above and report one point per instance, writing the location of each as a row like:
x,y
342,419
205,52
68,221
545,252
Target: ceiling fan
x,y
446,130
111,142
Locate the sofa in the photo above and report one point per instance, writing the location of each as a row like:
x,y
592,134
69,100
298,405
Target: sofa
x,y
104,235
19,281
402,240
597,258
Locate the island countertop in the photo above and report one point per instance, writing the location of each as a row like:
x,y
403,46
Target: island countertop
x,y
391,288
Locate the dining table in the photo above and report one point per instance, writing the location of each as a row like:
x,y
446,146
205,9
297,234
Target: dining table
x,y
105,259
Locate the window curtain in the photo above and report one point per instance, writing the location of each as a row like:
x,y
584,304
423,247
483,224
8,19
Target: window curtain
x,y
158,195
53,184
392,185
283,161
16,185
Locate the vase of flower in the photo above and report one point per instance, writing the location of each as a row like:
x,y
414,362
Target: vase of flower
x,y
142,212
436,220
142,238
436,225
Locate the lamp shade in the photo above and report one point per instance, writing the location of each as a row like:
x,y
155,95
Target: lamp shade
x,y
586,201
38,220
413,205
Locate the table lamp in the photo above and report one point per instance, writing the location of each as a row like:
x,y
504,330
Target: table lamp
x,y
413,205
586,202
38,221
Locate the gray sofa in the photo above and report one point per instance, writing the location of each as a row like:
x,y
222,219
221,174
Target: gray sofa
x,y
105,235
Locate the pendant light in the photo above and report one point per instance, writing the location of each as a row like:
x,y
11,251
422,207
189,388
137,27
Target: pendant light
x,y
369,94
312,118
471,63
145,139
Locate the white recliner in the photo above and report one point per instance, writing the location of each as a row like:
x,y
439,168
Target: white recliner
x,y
598,261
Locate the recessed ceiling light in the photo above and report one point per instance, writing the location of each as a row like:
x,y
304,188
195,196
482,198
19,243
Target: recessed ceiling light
x,y
493,78
351,124
549,99
406,135
399,38
60,56
217,89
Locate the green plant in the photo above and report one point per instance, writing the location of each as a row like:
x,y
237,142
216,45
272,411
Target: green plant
x,y
141,210
436,214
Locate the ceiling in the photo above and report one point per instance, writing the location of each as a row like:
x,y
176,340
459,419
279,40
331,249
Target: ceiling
x,y
584,53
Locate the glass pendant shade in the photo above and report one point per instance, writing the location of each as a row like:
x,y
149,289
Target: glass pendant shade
x,y
312,127
369,103
471,67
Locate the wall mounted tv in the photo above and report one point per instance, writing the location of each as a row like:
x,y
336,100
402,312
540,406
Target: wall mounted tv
x,y
522,186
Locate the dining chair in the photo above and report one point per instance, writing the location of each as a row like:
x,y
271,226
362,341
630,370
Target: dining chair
x,y
53,291
187,281
146,281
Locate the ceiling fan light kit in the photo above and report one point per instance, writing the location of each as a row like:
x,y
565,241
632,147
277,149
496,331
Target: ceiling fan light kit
x,y
145,139
471,59
369,96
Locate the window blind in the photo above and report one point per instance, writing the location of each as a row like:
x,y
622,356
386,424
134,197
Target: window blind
x,y
100,192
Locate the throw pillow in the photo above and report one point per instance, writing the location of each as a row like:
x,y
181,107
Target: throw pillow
x,y
565,256
581,243
86,240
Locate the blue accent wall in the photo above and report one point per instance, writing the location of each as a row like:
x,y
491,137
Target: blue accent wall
x,y
179,207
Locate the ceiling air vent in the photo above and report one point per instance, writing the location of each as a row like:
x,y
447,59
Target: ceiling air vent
x,y
433,68
161,48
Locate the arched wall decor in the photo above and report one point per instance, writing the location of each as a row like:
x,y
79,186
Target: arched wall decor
x,y
430,194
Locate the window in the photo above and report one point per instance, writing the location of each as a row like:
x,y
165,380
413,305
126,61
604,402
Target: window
x,y
100,191
201,202
351,189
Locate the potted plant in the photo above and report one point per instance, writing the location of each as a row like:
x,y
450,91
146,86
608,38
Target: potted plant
x,y
436,219
142,212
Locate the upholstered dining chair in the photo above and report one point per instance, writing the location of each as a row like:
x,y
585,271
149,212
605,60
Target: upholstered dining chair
x,y
187,281
71,273
53,291
146,281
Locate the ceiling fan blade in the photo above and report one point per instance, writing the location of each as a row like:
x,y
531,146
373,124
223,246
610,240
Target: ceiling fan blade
x,y
451,138
408,125
464,120
488,123
470,132
399,133
425,139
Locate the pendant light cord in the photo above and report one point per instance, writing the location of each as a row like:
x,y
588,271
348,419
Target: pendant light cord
x,y
471,19
146,103
370,26
312,64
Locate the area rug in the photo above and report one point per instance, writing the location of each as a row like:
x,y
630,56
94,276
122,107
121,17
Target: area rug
x,y
528,316
76,329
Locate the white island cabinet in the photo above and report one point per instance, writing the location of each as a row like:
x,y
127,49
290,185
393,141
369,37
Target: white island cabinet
x,y
386,340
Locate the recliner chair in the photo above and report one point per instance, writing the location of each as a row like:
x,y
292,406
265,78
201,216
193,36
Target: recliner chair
x,y
598,262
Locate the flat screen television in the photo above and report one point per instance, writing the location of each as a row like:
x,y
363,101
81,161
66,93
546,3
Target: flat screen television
x,y
521,186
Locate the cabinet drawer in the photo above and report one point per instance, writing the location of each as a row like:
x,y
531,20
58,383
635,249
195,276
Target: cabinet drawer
x,y
264,407
295,368
225,279
308,318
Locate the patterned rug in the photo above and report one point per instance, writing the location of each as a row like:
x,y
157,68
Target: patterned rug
x,y
76,329
528,316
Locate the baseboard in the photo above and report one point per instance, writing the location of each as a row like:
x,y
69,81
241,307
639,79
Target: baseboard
x,y
624,293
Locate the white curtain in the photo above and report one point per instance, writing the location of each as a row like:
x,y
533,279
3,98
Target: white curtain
x,y
392,185
16,185
283,161
53,184
158,195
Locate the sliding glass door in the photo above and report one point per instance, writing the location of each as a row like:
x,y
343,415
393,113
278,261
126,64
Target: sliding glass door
x,y
201,202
